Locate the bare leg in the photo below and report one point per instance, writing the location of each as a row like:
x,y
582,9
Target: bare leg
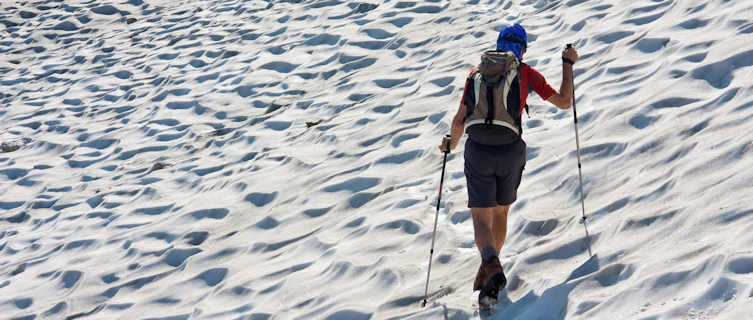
x,y
490,276
486,221
499,226
483,221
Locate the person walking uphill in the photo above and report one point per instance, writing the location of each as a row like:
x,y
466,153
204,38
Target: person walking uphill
x,y
495,153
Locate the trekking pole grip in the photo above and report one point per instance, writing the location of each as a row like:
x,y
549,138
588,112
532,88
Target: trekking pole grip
x,y
447,141
567,60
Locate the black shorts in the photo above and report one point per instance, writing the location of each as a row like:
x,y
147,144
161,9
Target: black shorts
x,y
493,173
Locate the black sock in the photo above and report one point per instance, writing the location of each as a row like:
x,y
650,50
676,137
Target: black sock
x,y
488,253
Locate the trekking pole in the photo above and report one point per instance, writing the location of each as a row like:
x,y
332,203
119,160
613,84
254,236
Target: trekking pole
x,y
580,174
436,217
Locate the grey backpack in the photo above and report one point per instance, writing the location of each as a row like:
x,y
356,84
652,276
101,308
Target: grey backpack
x,y
492,99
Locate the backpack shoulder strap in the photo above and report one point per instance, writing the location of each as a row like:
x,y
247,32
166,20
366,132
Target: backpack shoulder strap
x,y
528,87
477,80
511,76
472,88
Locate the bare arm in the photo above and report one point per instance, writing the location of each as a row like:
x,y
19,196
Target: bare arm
x,y
456,128
563,98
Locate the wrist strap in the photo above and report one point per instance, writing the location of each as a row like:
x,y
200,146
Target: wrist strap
x,y
568,61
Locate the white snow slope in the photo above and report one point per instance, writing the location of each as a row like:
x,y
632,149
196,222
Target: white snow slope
x,y
246,159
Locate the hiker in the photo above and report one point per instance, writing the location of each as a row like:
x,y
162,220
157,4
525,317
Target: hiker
x,y
495,153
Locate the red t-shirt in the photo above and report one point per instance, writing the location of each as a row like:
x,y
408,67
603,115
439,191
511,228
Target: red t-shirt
x,y
529,78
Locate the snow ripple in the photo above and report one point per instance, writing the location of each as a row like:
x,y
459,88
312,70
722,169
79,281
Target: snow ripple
x,y
277,160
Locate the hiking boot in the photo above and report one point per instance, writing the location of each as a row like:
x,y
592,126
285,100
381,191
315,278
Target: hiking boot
x,y
480,276
493,281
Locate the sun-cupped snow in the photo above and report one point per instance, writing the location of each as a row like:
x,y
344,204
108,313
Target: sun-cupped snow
x,y
248,159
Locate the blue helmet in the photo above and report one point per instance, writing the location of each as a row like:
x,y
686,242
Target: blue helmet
x,y
512,38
